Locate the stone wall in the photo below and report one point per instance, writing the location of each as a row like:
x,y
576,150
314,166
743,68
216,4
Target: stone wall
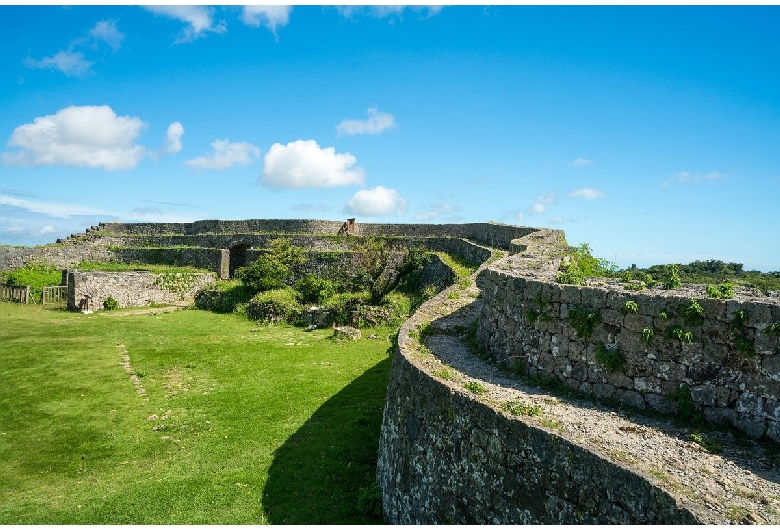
x,y
132,289
445,457
61,256
490,234
729,359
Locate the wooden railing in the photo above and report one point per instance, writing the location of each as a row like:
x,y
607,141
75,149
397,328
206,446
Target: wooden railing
x,y
16,293
57,294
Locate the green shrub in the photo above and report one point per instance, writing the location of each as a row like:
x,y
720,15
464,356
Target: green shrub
x,y
475,387
37,276
110,304
223,297
271,270
647,335
313,289
278,305
671,279
724,290
584,321
609,358
630,307
370,501
582,264
693,313
679,333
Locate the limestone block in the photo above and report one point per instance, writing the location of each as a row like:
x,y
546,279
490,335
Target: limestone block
x,y
647,384
720,416
660,403
703,395
749,403
630,397
670,371
704,371
637,322
347,332
571,294
603,391
751,426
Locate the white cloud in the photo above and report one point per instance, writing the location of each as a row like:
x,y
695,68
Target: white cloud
x,y
587,193
538,208
269,16
106,31
580,162
68,62
304,164
199,19
173,138
92,136
376,201
376,123
48,229
225,154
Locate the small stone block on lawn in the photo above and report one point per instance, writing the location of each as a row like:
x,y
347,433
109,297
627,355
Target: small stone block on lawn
x,y
347,332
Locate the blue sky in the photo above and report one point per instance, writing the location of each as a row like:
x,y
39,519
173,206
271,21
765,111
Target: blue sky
x,y
651,133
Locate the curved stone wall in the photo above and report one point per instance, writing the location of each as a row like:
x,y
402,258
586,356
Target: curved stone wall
x,y
448,457
642,347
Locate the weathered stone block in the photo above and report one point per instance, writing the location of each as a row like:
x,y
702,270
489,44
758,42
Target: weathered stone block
x,y
670,371
630,397
754,428
660,403
720,416
703,395
647,384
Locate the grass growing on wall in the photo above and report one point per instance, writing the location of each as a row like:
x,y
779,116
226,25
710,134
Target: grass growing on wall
x,y
36,275
244,424
125,267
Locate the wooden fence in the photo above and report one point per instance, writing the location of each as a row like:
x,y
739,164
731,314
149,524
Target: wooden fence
x,y
16,293
57,294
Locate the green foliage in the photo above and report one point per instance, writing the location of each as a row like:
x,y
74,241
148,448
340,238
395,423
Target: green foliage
x,y
582,264
272,269
584,320
609,358
647,335
114,266
663,315
671,277
178,283
707,443
724,290
370,501
37,276
638,287
223,297
444,373
685,408
518,408
774,329
630,307
719,272
742,341
679,333
539,309
692,313
313,289
475,387
460,266
626,276
110,304
278,305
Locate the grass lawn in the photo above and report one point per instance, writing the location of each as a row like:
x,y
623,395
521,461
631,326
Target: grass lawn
x,y
187,417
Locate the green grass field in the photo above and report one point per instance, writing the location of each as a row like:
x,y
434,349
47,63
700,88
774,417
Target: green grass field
x,y
187,417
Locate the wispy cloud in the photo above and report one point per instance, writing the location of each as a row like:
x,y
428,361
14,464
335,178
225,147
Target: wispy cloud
x,y
70,63
271,17
376,123
51,209
73,63
226,154
198,19
106,31
388,11
437,210
693,178
587,193
579,162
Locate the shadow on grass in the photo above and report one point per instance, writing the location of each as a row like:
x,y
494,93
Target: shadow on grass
x,y
317,476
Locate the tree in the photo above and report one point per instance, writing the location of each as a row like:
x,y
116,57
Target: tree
x,y
272,269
